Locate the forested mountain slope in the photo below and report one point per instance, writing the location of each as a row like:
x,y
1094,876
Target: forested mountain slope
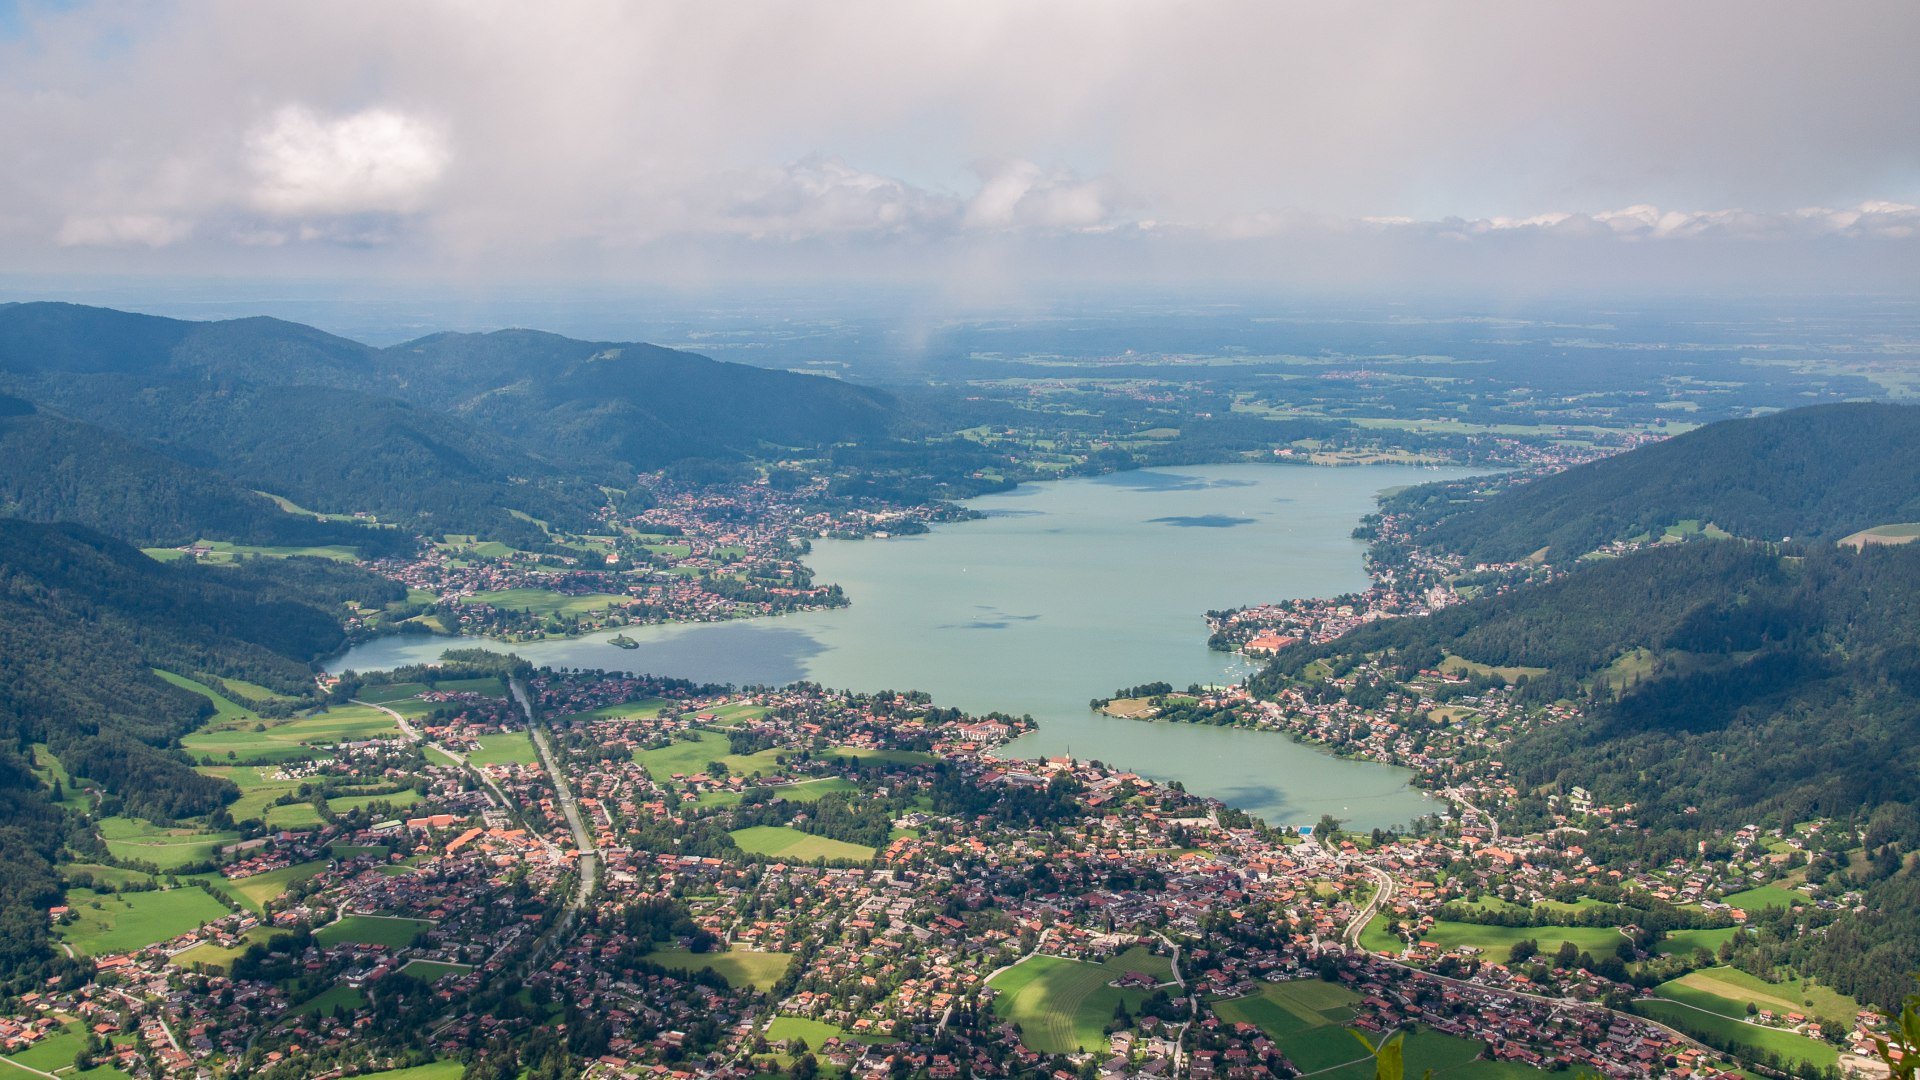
x,y
56,469
640,406
1819,472
84,620
444,434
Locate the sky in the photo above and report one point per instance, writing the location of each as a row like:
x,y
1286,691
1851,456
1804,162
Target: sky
x,y
979,146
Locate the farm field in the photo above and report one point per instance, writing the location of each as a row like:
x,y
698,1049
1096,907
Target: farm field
x,y
142,841
788,843
1061,1005
255,892
111,923
505,748
1597,940
372,930
739,967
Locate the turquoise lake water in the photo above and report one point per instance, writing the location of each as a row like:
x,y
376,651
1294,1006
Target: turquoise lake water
x,y
1064,591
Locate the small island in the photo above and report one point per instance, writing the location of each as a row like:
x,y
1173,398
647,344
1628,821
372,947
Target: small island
x,y
623,641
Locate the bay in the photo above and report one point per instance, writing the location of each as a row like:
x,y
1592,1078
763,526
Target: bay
x,y
1062,592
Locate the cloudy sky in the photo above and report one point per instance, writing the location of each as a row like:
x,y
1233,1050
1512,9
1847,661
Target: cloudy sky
x,y
1699,144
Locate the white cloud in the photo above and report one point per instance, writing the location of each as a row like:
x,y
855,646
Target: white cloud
x,y
378,160
1018,193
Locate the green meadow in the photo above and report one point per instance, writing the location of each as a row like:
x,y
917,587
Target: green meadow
x,y
689,757
256,892
782,842
122,922
372,930
134,840
739,967
504,748
1061,1005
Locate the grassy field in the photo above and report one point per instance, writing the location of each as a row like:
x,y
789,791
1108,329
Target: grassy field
x,y
323,1002
807,791
1061,1005
739,967
546,602
737,713
505,748
1374,937
111,923
447,1069
689,757
136,840
254,893
218,956
224,708
257,791
1496,940
1308,1017
884,757
816,1032
1715,1027
251,741
1805,996
1685,941
372,930
1764,897
55,1053
433,970
788,843
1461,664
399,800
104,874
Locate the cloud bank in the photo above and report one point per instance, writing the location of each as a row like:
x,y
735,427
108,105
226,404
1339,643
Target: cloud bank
x,y
1272,140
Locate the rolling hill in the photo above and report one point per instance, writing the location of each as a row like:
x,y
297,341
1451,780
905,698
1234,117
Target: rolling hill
x,y
1819,472
446,434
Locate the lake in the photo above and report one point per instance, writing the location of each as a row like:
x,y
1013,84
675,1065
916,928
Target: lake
x,y
1062,592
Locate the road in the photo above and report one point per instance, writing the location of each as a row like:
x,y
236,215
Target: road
x,y
406,728
1193,1005
1459,796
1380,896
589,864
